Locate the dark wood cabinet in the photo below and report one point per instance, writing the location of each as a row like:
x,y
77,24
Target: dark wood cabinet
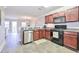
x,y
36,35
46,20
43,33
70,39
72,14
58,14
48,34
40,34
49,19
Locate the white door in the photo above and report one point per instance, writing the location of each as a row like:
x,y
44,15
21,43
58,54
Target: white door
x,y
14,26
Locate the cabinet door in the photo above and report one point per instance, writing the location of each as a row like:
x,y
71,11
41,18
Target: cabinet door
x,y
36,35
47,36
61,13
43,33
50,18
70,41
72,14
58,14
46,19
55,15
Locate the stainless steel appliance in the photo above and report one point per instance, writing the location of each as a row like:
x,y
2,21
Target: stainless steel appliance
x,y
60,19
27,36
58,34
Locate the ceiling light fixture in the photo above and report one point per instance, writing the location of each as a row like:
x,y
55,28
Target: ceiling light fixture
x,y
26,17
46,6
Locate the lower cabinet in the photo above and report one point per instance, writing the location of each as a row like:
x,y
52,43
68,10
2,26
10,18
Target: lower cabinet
x,y
70,39
36,35
40,34
48,35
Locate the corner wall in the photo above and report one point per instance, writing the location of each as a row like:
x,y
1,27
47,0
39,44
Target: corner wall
x,y
2,30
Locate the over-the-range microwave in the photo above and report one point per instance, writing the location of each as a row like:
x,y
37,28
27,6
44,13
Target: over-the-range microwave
x,y
60,19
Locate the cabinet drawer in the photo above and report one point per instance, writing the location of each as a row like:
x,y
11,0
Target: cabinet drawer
x,y
70,41
71,33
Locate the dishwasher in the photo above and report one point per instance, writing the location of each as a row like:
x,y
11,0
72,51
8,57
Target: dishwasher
x,y
27,36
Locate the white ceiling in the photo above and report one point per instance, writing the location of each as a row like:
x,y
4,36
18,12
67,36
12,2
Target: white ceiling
x,y
35,11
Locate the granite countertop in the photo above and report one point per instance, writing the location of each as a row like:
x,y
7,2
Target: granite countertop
x,y
72,30
29,30
38,29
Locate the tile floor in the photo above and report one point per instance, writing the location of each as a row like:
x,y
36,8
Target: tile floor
x,y
13,46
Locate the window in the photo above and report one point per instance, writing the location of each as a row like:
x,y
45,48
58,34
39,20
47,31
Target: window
x,y
23,24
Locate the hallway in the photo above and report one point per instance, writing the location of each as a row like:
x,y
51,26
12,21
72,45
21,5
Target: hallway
x,y
13,39
12,42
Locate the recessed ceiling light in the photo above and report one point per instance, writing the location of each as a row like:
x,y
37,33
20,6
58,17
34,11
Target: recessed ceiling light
x,y
26,17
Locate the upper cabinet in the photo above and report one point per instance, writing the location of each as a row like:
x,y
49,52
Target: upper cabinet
x,y
49,19
72,14
46,19
59,17
58,14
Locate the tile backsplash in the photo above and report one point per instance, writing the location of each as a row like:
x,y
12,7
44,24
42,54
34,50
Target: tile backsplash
x,y
71,25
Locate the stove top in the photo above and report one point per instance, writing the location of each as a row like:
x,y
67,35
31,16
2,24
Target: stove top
x,y
60,27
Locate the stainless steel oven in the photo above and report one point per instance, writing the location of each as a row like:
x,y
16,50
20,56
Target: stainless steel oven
x,y
58,34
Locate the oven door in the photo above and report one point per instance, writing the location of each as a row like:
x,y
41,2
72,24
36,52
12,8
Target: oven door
x,y
56,34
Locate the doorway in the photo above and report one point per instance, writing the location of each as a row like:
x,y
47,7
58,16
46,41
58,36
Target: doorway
x,y
7,26
14,26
